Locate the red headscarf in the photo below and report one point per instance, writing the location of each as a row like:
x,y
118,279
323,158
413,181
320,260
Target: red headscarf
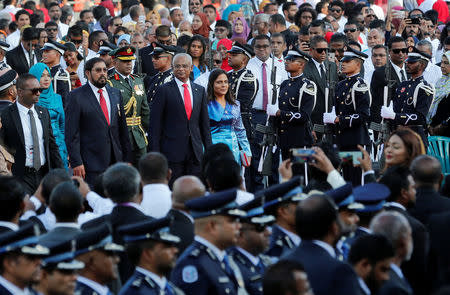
x,y
227,43
204,29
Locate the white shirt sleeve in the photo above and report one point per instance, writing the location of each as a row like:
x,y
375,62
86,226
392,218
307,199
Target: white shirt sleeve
x,y
335,179
100,205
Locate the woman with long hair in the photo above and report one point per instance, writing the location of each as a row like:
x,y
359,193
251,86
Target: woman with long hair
x,y
402,147
73,60
53,103
197,50
225,115
200,25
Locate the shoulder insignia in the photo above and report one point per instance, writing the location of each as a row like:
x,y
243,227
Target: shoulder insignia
x,y
116,77
266,260
110,83
310,88
150,282
168,79
137,282
189,274
195,252
429,90
279,243
362,87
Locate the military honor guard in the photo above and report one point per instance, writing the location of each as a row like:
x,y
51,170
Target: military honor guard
x,y
51,56
4,47
134,99
243,83
162,61
152,249
352,101
296,101
204,267
103,53
413,97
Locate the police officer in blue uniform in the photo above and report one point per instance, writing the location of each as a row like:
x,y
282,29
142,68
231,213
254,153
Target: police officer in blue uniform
x,y
243,83
151,247
413,97
281,201
296,101
252,242
352,101
4,47
162,61
103,53
96,247
204,267
20,245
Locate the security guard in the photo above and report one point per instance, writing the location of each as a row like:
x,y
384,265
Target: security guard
x,y
134,99
281,201
413,97
243,83
99,254
4,47
103,53
295,102
162,61
61,78
153,250
252,242
352,101
204,267
20,256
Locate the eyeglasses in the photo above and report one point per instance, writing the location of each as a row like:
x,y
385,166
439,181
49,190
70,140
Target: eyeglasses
x,y
34,90
74,41
181,66
100,70
117,25
370,15
307,16
349,30
340,50
335,10
379,55
262,46
217,61
52,29
398,50
219,30
321,50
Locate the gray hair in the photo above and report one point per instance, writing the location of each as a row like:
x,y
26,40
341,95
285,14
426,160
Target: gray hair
x,y
262,17
393,225
164,13
426,44
121,182
180,55
184,21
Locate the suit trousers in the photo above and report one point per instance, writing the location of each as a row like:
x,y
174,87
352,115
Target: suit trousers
x,y
32,178
190,166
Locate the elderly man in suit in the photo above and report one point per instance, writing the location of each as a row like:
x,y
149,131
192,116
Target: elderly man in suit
x,y
179,121
25,55
26,130
96,128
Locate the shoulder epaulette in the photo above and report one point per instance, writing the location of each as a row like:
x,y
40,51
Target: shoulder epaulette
x,y
137,282
116,77
361,86
429,90
110,83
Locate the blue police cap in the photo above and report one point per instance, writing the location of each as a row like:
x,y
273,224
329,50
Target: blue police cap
x,y
372,195
50,44
280,193
98,238
106,48
159,49
220,203
351,53
255,212
7,79
295,52
62,257
343,197
4,45
415,54
24,240
157,230
242,48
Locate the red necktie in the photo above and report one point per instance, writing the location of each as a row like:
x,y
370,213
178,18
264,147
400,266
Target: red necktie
x,y
265,92
187,101
103,105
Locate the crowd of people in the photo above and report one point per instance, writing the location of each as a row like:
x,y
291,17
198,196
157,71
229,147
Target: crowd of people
x,y
224,147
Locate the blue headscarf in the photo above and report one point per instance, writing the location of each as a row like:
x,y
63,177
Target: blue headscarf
x,y
125,37
48,98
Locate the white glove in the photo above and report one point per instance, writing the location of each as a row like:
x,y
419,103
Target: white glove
x,y
272,109
329,118
388,112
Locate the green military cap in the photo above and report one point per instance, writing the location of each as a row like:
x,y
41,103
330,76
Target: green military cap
x,y
123,53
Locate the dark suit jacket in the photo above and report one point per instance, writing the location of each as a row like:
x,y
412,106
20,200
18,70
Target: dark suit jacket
x,y
429,202
146,59
13,137
16,59
90,140
57,235
439,249
326,274
4,104
415,269
170,131
395,286
312,74
181,227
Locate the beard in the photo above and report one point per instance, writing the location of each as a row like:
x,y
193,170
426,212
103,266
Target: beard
x,y
100,82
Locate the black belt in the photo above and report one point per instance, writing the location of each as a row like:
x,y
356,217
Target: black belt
x,y
258,111
33,170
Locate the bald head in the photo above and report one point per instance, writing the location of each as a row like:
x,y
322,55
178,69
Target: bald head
x,y
187,188
426,170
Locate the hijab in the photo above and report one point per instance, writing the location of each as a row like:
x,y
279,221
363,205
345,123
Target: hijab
x,y
125,37
204,29
227,43
442,91
48,98
246,31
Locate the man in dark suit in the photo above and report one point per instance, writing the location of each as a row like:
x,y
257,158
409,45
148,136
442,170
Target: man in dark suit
x,y
66,202
27,131
439,245
92,150
426,171
395,227
401,184
319,69
179,121
122,186
317,224
19,58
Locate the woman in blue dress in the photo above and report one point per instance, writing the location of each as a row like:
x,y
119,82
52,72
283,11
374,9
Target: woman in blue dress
x,y
53,103
225,116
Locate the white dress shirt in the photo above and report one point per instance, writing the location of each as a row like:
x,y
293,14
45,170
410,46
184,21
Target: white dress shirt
x,y
156,200
253,259
105,95
160,281
26,127
10,225
181,89
100,289
342,23
363,286
432,73
13,39
62,30
13,288
318,65
27,55
397,70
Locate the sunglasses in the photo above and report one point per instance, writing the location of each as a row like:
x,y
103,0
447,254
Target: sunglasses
x,y
370,15
256,227
340,50
397,51
349,30
76,41
336,10
321,50
217,61
35,90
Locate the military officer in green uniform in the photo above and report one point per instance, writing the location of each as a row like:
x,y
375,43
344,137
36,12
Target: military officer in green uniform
x,y
134,98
